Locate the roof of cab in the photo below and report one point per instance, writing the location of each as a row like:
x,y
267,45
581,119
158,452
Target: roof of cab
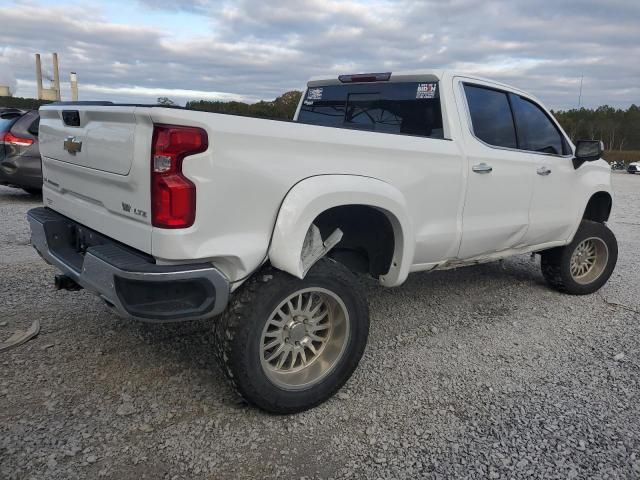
x,y
415,76
405,76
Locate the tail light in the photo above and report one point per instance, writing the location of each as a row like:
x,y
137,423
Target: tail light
x,y
9,138
173,196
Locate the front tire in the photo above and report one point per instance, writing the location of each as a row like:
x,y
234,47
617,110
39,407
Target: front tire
x,y
585,265
288,344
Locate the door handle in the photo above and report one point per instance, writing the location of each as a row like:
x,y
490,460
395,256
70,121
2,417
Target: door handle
x,y
482,168
544,171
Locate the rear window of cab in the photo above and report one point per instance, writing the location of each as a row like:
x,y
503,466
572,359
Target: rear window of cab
x,y
408,108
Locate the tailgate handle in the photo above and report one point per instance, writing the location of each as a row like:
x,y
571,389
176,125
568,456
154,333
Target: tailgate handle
x,y
71,118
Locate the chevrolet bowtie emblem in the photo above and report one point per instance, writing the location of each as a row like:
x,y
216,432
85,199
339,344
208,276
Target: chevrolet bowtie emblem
x,y
72,145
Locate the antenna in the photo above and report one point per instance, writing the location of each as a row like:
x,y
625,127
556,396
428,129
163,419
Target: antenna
x,y
580,95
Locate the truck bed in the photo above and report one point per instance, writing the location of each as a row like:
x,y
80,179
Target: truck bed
x,y
241,179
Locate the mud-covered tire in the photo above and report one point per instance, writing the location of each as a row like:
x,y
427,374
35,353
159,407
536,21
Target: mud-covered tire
x,y
240,330
556,263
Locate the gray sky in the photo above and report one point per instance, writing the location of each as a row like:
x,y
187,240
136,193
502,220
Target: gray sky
x,y
250,49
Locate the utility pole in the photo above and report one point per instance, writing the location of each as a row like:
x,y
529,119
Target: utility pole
x,y
56,76
580,94
73,77
39,75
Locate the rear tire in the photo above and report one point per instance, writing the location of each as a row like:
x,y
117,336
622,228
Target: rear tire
x,y
286,344
585,265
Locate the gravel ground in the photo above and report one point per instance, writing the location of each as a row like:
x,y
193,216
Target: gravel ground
x,y
481,372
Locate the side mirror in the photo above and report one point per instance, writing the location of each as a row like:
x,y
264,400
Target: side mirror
x,y
587,151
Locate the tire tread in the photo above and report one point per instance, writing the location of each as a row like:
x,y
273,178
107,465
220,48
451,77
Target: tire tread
x,y
230,337
554,263
226,327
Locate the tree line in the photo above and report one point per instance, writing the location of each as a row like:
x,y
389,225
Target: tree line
x,y
22,103
282,108
619,129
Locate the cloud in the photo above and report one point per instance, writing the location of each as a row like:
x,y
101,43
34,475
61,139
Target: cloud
x,y
197,6
8,79
258,49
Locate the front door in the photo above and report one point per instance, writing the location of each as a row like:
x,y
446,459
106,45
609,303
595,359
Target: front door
x,y
552,214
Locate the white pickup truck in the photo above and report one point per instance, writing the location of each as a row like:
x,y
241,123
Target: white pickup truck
x,y
170,214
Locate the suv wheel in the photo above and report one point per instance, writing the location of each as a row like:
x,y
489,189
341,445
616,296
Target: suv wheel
x,y
585,265
287,344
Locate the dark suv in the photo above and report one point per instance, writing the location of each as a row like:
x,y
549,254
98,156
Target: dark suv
x,y
20,164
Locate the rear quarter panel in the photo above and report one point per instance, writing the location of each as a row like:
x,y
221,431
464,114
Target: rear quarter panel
x,y
252,163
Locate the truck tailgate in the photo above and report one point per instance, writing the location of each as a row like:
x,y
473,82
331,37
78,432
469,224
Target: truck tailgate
x,y
96,168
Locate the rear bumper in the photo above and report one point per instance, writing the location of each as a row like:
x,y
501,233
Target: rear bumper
x,y
21,172
126,279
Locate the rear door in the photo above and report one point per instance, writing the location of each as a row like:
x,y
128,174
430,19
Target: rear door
x,y
500,178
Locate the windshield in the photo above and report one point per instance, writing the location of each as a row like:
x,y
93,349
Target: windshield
x,y
410,108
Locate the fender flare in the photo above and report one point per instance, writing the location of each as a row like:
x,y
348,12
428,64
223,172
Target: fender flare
x,y
584,203
312,196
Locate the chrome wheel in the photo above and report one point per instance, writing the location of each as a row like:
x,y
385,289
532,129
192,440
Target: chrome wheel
x,y
589,260
304,338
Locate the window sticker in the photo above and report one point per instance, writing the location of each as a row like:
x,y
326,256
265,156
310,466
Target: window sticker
x,y
314,94
426,90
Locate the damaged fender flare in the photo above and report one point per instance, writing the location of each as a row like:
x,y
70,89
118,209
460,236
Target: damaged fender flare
x,y
312,196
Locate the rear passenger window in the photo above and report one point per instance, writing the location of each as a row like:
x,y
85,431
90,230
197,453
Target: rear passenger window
x,y
536,131
491,116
